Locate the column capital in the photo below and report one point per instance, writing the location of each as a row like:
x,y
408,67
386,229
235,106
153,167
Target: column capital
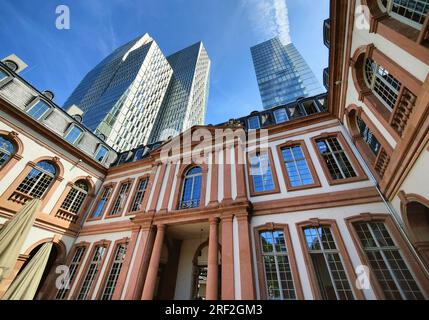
x,y
161,227
242,216
227,217
213,220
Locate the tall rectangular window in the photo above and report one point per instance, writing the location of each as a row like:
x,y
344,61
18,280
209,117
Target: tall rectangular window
x,y
368,136
73,268
335,159
297,167
332,280
260,171
277,269
93,269
114,271
38,110
101,205
386,261
120,199
138,197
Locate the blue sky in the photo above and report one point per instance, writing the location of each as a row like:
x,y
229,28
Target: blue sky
x,y
59,59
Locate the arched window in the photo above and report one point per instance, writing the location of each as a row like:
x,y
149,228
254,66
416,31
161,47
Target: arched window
x,y
38,181
6,150
410,12
76,197
384,86
191,190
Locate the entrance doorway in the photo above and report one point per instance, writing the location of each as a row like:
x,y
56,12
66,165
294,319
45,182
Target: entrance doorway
x,y
200,268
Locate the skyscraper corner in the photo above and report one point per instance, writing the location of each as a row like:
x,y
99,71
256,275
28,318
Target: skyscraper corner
x,y
282,73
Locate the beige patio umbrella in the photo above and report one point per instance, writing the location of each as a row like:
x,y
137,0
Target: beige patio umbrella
x,y
25,285
13,235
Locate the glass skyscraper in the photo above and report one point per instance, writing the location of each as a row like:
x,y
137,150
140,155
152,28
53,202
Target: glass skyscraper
x,y
186,100
121,97
282,73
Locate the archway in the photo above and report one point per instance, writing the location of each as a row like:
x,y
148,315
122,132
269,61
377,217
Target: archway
x,y
415,213
200,268
57,256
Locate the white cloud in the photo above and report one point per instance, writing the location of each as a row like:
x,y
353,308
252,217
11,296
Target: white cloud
x,y
269,18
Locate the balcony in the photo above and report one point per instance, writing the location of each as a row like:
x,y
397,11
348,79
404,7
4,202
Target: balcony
x,y
189,204
20,198
66,215
327,33
402,111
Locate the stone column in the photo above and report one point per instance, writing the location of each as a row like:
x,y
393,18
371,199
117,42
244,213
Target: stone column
x,y
212,272
246,263
152,272
228,292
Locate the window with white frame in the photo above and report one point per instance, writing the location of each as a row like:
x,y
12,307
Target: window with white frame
x,y
387,262
410,12
38,181
254,123
120,199
91,273
277,269
101,153
138,197
297,166
38,110
260,171
332,280
335,158
3,75
281,116
191,190
101,205
6,150
115,269
73,134
74,266
384,85
76,197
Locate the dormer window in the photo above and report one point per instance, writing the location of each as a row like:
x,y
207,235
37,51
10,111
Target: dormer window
x,y
138,155
3,75
254,123
38,110
281,116
73,134
101,153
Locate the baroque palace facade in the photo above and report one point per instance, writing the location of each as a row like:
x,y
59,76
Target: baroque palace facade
x,y
333,205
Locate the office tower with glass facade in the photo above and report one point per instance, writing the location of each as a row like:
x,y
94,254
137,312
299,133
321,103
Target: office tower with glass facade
x,y
121,97
282,73
185,103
